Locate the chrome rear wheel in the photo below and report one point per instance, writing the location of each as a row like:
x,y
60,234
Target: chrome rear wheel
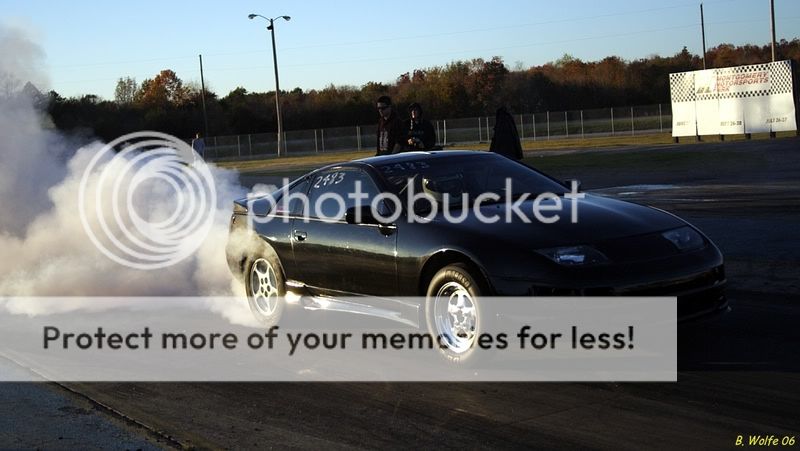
x,y
263,287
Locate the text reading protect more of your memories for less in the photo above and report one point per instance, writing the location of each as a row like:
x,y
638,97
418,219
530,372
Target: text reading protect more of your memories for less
x,y
525,338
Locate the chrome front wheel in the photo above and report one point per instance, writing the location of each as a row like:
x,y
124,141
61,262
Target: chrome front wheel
x,y
455,317
453,312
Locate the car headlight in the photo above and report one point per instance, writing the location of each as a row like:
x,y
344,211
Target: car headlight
x,y
574,255
685,239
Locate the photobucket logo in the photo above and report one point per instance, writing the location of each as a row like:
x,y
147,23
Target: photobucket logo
x,y
147,200
358,204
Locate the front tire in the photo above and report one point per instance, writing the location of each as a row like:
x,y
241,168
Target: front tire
x,y
454,314
266,288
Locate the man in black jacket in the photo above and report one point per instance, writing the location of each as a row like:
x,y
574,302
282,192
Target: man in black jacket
x,y
419,132
389,128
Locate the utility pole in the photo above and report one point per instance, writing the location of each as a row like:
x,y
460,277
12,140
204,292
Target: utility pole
x,y
203,98
772,26
703,33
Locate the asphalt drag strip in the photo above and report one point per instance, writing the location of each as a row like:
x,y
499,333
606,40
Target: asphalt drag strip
x,y
738,374
44,415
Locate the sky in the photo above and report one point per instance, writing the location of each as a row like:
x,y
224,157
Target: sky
x,y
88,45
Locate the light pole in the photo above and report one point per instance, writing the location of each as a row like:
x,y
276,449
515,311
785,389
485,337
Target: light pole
x,y
271,28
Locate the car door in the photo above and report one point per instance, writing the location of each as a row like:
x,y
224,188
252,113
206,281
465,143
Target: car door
x,y
287,209
332,255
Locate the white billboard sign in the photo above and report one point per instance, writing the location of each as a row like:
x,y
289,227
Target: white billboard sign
x,y
744,99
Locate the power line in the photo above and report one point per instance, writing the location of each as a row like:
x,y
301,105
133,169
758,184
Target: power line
x,y
506,27
447,53
495,49
398,38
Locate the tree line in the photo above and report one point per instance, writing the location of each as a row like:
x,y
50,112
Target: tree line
x,y
459,89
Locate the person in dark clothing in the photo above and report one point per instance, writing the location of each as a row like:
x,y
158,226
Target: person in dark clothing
x,y
199,145
420,134
389,128
505,140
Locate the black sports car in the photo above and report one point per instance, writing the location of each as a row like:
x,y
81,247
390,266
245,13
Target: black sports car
x,y
372,252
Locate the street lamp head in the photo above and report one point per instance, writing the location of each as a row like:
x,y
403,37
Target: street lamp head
x,y
253,16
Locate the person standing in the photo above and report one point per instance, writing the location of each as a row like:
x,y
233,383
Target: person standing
x,y
199,145
505,140
389,128
420,134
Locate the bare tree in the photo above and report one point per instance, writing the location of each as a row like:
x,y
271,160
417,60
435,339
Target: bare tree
x,y
125,90
9,84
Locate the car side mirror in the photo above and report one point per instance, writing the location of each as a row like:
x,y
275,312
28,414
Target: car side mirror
x,y
360,215
568,184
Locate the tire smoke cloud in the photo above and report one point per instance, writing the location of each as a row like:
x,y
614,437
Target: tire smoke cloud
x,y
44,249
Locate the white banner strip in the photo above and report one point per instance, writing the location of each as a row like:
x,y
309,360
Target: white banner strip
x,y
214,339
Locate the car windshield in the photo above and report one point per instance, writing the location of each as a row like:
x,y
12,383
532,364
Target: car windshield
x,y
470,175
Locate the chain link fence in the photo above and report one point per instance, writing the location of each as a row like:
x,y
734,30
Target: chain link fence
x,y
542,126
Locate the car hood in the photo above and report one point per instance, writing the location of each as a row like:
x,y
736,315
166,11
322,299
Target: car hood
x,y
598,219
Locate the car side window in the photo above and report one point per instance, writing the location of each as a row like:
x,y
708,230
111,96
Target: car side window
x,y
334,191
290,201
